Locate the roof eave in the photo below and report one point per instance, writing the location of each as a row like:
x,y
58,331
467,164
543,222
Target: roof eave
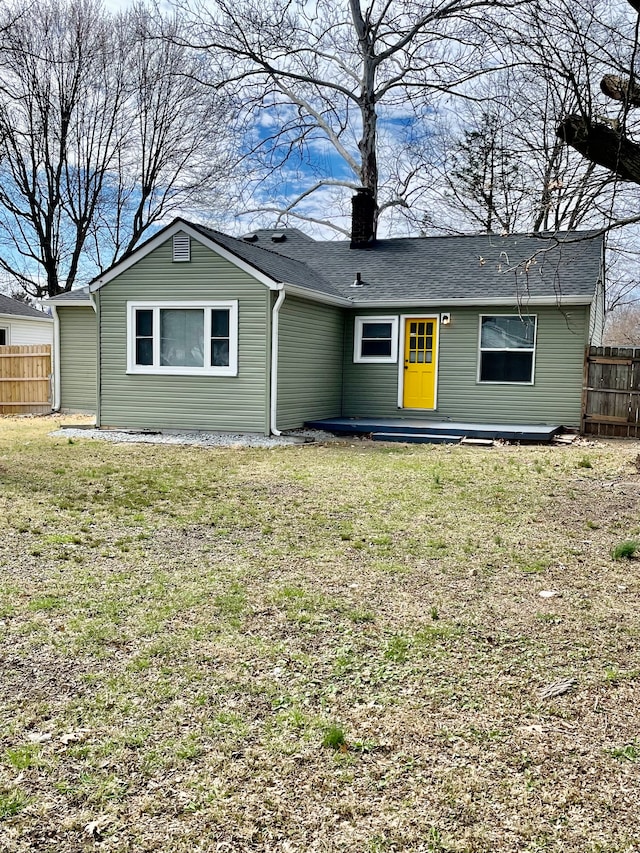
x,y
558,301
316,295
42,319
63,303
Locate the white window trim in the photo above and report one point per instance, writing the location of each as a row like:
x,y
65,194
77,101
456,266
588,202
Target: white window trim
x,y
7,331
357,340
156,368
532,350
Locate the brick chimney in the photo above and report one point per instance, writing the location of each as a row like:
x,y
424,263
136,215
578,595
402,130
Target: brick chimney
x,y
363,219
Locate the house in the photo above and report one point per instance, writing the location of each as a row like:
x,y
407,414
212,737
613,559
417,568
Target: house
x,y
22,325
198,330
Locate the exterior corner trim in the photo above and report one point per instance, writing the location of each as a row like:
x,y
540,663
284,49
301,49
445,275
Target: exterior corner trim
x,y
56,359
94,305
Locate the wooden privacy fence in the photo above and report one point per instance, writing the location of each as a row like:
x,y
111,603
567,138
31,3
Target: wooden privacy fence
x,y
611,395
25,380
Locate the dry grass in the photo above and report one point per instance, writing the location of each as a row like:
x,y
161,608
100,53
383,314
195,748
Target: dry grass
x,y
336,648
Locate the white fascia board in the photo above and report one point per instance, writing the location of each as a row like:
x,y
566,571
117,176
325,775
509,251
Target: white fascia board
x,y
556,301
317,296
62,303
167,234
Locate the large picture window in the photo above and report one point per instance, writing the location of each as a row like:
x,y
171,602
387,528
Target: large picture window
x,y
375,340
507,348
183,338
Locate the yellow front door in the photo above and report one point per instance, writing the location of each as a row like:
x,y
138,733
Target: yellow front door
x,y
420,348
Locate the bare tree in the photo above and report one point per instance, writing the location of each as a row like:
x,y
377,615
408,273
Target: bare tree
x,y
606,140
623,327
329,86
482,180
99,139
517,174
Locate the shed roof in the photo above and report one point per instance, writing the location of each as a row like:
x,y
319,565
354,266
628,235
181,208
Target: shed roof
x,y
71,297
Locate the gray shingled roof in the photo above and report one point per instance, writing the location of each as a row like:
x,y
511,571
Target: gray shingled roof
x,y
79,295
403,271
19,309
277,265
448,268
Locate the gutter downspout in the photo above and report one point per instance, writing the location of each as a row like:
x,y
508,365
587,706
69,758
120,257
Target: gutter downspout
x,y
94,305
274,361
56,359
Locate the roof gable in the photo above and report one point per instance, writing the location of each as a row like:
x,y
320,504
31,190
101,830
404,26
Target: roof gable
x,y
269,268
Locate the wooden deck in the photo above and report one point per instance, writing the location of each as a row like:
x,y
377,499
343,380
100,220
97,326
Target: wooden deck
x,y
416,430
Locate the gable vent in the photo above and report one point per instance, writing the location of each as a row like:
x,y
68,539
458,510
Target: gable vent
x,y
181,247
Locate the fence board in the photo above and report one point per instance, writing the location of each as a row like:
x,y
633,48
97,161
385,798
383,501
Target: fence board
x,y
25,379
611,394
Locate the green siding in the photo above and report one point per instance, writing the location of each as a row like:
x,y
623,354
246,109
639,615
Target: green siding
x,y
78,358
228,403
309,362
555,396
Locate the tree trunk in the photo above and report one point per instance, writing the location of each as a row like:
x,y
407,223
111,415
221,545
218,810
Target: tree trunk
x,y
367,145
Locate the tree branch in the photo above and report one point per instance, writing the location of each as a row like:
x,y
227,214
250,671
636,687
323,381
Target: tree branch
x,y
602,144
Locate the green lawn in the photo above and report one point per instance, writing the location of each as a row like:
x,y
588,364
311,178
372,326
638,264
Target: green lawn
x,y
317,648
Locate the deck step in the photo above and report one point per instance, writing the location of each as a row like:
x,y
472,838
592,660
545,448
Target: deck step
x,y
417,437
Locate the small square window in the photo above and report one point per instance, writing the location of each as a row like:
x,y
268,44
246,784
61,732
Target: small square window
x,y
375,340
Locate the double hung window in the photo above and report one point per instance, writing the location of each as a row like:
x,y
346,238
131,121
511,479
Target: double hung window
x,y
375,340
183,338
507,348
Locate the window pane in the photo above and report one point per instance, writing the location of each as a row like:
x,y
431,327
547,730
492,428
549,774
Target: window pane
x,y
220,353
507,332
376,348
144,351
144,324
3,337
506,367
182,337
220,323
376,330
